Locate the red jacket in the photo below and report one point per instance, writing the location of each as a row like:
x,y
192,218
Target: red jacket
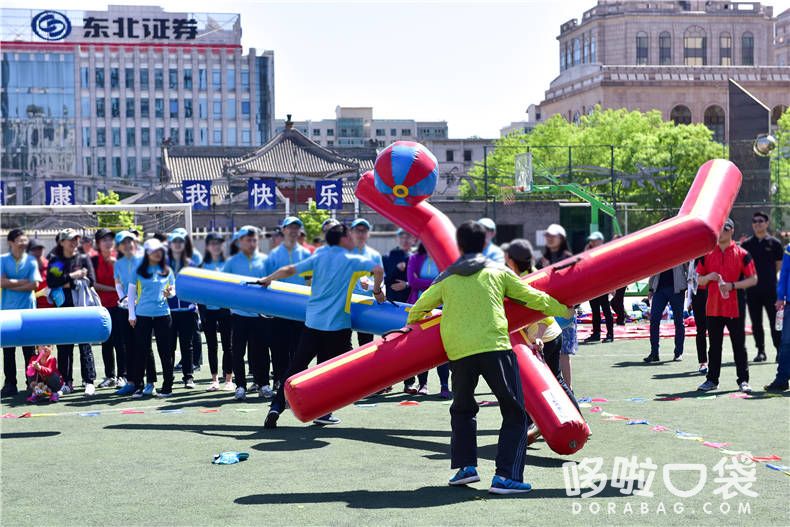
x,y
48,366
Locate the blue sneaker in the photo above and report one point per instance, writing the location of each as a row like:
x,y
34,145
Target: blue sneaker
x,y
127,389
500,485
149,389
464,476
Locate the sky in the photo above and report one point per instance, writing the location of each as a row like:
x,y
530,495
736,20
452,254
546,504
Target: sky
x,y
476,65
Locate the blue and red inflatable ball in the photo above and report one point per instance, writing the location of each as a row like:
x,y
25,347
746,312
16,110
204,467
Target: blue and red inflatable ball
x,y
406,172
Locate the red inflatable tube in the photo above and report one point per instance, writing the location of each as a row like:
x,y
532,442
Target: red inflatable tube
x,y
560,423
430,225
388,360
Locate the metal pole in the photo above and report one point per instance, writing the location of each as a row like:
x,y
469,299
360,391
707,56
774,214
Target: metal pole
x,y
485,178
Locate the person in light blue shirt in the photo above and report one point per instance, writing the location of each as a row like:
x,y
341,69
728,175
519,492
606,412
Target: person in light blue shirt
x,y
327,332
360,232
216,320
181,254
250,331
285,333
149,313
491,250
19,278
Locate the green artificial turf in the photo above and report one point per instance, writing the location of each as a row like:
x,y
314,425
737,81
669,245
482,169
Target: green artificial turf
x,y
386,464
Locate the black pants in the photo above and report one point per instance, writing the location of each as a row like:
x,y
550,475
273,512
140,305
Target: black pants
x,y
596,304
9,362
698,302
217,321
284,343
182,334
716,327
197,342
250,335
757,300
500,371
618,306
365,338
161,328
66,363
115,345
551,355
314,344
127,333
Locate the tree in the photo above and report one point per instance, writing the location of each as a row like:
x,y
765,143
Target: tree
x,y
312,218
654,160
117,221
780,168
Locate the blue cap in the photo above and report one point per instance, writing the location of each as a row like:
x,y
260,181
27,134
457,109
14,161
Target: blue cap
x,y
246,231
361,221
176,235
123,235
290,220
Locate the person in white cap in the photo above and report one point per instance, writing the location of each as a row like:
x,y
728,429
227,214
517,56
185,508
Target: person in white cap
x,y
596,239
360,232
491,250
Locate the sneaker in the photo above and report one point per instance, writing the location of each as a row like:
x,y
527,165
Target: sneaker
x,y
8,391
138,394
592,339
707,386
189,384
328,419
776,387
271,419
533,433
423,390
464,476
229,386
149,389
32,398
127,389
90,389
651,358
703,368
213,387
744,387
54,397
266,392
240,394
120,382
196,369
164,395
178,366
254,387
500,485
108,382
678,357
66,389
445,393
608,339
760,357
411,389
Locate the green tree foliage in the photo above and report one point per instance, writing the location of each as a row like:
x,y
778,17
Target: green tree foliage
x,y
120,220
780,167
313,218
654,160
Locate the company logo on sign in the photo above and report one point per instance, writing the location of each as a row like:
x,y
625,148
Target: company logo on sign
x,y
51,25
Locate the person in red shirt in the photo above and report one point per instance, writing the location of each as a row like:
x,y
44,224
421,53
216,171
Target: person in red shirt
x,y
727,268
104,266
36,250
45,379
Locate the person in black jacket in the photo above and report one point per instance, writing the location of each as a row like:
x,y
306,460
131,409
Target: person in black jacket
x,y
395,268
67,268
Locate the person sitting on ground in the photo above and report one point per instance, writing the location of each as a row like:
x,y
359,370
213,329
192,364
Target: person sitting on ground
x,y
474,332
45,379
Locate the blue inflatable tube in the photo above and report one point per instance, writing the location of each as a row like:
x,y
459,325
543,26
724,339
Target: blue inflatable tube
x,y
68,325
281,299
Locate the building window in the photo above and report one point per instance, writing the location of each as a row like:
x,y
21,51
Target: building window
x,y
316,131
145,167
101,166
145,137
130,137
203,136
145,108
467,156
680,115
159,79
131,167
585,50
114,78
100,78
203,108
747,49
245,80
173,79
128,75
188,79
86,162
85,76
159,108
174,135
405,132
230,109
231,76
714,120
160,136
217,139
189,136
174,108
245,137
202,81
86,106
577,52
216,79
641,48
380,132
245,108
217,109
115,107
188,108
330,132
330,143
449,156
593,57
725,49
86,137
143,79
665,48
230,138
562,57
116,137
101,136
116,167
695,47
129,107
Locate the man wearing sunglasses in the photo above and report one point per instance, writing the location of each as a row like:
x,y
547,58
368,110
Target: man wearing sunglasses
x,y
767,254
724,270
